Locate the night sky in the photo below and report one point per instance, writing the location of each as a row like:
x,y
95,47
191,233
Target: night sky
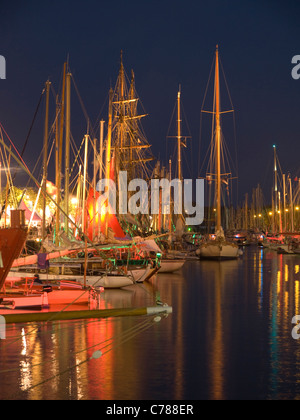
x,y
167,44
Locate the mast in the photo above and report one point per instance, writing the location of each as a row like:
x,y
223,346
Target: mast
x,y
84,185
170,210
59,161
46,129
246,212
218,141
94,191
284,203
101,149
67,151
275,189
108,152
100,172
179,134
128,141
291,204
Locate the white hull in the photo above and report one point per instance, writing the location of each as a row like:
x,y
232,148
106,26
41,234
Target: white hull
x,y
219,250
14,301
110,281
169,266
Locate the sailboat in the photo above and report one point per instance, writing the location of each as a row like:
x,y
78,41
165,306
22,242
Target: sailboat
x,y
12,241
218,248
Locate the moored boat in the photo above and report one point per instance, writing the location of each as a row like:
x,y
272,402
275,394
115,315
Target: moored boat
x,y
218,248
168,265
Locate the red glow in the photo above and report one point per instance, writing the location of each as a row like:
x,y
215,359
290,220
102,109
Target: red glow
x,y
113,222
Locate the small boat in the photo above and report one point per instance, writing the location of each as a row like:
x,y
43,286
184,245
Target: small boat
x,y
168,265
111,280
219,249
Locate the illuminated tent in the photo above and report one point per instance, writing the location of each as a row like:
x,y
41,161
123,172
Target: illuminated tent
x,y
28,213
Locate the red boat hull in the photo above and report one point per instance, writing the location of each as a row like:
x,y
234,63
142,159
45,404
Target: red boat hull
x,y
12,241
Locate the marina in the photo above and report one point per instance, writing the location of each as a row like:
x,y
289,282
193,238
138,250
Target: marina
x,y
149,255
240,346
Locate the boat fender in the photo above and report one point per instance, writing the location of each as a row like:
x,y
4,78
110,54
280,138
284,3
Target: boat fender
x,y
97,354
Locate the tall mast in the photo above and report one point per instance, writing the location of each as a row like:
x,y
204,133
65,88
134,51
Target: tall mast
x,y
179,134
84,185
108,151
46,129
291,205
218,140
101,149
170,210
132,113
67,150
246,212
275,184
60,142
284,202
100,172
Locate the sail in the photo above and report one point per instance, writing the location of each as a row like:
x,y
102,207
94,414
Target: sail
x,y
113,222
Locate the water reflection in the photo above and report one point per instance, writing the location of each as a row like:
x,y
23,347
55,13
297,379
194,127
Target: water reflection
x,y
229,337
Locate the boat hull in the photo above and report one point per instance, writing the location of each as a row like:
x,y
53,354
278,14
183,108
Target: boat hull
x,y
63,297
70,282
21,301
219,251
169,266
112,280
12,241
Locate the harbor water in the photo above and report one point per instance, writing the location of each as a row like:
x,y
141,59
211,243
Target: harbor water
x,y
229,336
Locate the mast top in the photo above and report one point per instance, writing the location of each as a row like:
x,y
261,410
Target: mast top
x,y
121,59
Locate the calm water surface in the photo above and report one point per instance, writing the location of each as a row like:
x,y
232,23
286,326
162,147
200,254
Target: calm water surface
x,y
229,337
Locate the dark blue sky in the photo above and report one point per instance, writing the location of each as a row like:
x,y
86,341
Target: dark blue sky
x,y
166,43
